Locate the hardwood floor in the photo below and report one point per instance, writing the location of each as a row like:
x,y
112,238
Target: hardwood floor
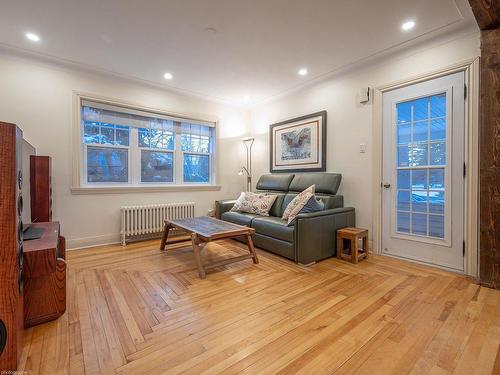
x,y
136,310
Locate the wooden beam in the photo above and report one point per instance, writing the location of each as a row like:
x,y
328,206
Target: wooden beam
x,y
489,169
487,13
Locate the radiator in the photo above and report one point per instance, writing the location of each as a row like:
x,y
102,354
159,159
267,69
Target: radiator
x,y
144,222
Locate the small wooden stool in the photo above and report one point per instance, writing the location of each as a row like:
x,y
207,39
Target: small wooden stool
x,y
353,235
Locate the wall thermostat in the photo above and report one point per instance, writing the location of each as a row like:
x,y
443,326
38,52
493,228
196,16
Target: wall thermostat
x,y
364,95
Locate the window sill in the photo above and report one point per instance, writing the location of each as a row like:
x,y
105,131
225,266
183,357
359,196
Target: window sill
x,y
141,189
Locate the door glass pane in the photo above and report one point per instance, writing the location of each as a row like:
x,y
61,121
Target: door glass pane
x,y
420,131
404,200
419,179
404,134
438,153
436,202
404,179
438,129
421,109
404,112
419,201
436,178
420,194
436,226
419,155
438,105
403,222
403,156
419,224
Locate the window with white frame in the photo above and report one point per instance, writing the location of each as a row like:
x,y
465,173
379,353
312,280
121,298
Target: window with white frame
x,y
125,146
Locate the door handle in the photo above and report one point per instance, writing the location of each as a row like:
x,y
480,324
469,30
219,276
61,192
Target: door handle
x,y
386,185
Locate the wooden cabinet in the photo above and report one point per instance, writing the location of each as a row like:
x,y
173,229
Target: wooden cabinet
x,y
44,276
41,188
11,247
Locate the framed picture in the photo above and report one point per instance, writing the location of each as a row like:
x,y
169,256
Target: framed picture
x,y
299,144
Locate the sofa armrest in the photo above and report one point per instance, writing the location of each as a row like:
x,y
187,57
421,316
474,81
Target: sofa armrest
x,y
315,233
223,206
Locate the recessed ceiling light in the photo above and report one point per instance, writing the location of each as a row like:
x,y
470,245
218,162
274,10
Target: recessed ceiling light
x,y
168,76
303,72
408,25
33,37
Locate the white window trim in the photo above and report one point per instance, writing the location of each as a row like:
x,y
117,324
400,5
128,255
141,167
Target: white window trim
x,y
78,173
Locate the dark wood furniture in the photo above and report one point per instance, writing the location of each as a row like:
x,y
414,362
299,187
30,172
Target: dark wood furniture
x,y
348,239
44,276
41,188
205,229
11,247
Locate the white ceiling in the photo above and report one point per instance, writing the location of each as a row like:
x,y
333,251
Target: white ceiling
x,y
224,49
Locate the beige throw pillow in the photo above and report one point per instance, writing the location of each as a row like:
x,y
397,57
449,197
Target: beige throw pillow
x,y
254,203
298,203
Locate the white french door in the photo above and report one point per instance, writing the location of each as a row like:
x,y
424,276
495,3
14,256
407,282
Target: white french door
x,y
423,172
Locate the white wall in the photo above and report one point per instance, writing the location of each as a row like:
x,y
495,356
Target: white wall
x,y
37,96
350,123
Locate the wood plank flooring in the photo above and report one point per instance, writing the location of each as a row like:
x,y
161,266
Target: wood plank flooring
x,y
136,310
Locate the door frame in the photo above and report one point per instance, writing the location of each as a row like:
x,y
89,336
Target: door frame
x,y
471,154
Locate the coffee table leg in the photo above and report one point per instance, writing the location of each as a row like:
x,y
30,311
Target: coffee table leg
x,y
252,249
197,257
166,229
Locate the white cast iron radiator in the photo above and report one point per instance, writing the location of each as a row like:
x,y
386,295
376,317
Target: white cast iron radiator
x,y
141,222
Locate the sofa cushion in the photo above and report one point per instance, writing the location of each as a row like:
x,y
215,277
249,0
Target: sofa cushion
x,y
254,203
326,183
274,181
312,205
297,204
273,227
240,218
330,201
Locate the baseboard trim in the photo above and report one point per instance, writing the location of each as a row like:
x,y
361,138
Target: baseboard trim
x,y
81,243
115,239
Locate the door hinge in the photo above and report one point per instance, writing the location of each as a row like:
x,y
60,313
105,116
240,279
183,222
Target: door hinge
x,y
463,248
465,170
465,91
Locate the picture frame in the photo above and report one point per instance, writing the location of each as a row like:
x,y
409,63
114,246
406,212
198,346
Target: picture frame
x,y
298,144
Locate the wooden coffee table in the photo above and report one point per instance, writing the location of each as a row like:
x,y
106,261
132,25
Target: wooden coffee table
x,y
204,229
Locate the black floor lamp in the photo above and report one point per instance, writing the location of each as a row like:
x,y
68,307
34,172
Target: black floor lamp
x,y
248,142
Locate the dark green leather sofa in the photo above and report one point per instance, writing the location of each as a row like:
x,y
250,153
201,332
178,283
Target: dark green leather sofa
x,y
312,237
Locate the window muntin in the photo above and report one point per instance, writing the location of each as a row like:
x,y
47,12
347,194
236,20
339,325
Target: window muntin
x,y
124,146
106,134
